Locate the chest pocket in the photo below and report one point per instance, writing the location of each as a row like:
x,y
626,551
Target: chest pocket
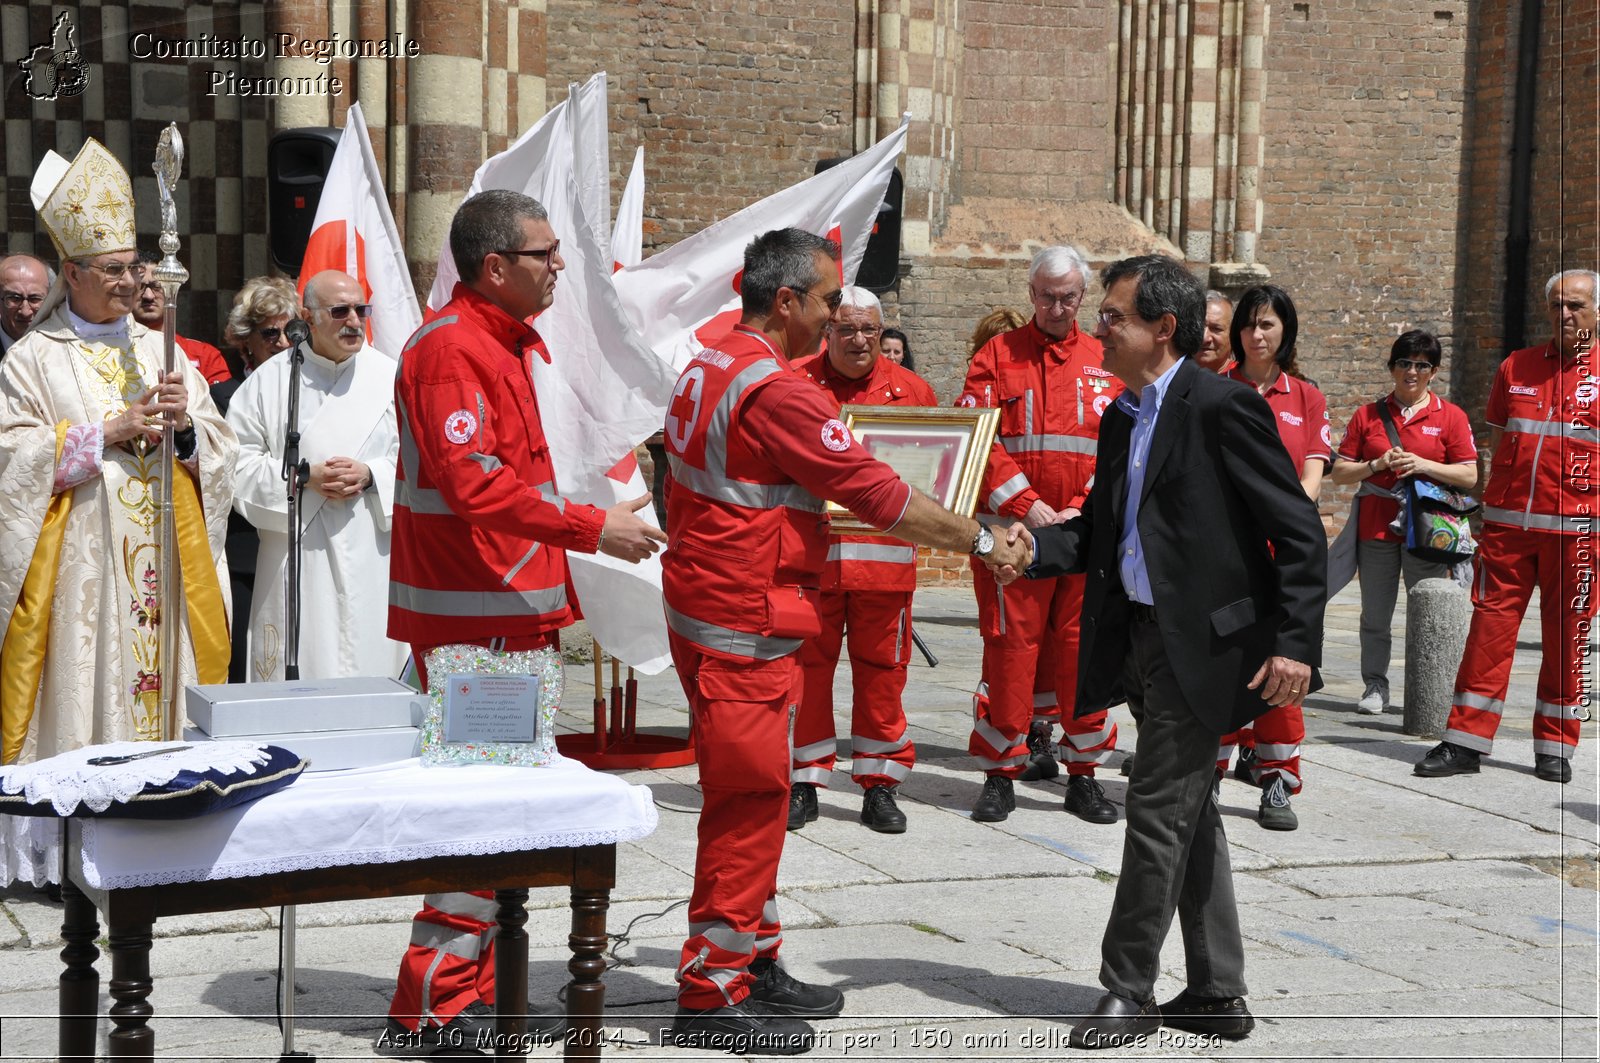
x,y
1016,401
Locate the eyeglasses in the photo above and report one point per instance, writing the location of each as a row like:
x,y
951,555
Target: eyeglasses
x,y
1110,319
1051,300
16,299
1406,363
545,253
847,332
270,334
833,300
342,311
115,270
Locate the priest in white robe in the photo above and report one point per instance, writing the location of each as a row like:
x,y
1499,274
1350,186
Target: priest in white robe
x,y
349,438
82,401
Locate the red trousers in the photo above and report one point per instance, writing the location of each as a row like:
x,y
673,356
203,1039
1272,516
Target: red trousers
x,y
1511,562
741,711
1275,735
1022,680
879,627
450,962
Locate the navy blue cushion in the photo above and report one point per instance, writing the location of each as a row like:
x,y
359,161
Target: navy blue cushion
x,y
188,794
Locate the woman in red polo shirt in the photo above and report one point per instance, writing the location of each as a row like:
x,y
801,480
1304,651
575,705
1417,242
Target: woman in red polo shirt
x,y
1263,334
1435,444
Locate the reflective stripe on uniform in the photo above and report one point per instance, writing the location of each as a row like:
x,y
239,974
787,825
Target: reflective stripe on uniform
x,y
1546,747
1477,743
1537,521
882,552
470,905
726,640
985,764
814,775
1049,443
723,936
1563,429
1559,712
1092,738
1276,750
893,769
1007,491
438,322
860,746
815,750
420,499
713,480
538,601
1468,700
447,940
992,737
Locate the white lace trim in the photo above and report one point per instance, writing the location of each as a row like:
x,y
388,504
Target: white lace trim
x,y
30,850
68,779
304,862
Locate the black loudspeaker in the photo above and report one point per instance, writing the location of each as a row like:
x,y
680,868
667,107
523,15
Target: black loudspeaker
x,y
880,268
297,164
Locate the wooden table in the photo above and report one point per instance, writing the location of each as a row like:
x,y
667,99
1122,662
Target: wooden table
x,y
131,913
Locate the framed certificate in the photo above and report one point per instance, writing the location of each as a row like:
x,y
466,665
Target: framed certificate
x,y
941,451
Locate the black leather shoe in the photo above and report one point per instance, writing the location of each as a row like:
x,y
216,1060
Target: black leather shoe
x,y
1041,760
745,1029
880,813
1213,1016
781,993
1447,758
998,800
1244,767
1552,768
1116,1022
802,804
1087,800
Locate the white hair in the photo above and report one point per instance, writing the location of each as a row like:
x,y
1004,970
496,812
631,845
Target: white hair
x,y
1594,281
1058,260
860,297
1214,296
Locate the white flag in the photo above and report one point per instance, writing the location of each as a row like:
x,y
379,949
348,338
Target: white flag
x,y
627,236
673,295
516,169
354,232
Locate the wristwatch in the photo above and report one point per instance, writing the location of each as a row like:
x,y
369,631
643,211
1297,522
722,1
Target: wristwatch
x,y
983,545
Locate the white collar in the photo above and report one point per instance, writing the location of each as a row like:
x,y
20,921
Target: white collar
x,y
89,330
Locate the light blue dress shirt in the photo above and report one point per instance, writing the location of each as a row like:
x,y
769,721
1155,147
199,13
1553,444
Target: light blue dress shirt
x,y
1130,551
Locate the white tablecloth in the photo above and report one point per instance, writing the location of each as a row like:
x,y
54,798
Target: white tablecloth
x,y
383,814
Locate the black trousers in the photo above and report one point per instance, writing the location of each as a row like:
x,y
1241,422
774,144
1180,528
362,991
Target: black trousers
x,y
1175,857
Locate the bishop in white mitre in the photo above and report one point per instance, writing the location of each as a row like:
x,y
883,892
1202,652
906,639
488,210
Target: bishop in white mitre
x,y
348,436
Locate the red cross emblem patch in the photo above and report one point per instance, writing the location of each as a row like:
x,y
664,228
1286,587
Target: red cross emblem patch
x,y
460,426
835,436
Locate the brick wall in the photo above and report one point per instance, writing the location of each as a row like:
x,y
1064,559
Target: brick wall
x,y
733,101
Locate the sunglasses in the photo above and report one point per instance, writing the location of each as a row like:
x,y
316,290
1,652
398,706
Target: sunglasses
x,y
270,334
538,252
833,300
342,311
1406,363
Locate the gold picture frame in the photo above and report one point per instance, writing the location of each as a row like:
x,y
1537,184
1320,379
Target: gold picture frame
x,y
940,450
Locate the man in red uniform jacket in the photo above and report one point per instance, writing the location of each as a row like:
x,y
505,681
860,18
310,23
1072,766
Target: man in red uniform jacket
x,y
1051,388
1538,530
866,591
753,449
478,559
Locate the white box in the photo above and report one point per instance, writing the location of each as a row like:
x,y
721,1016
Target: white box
x,y
332,750
237,710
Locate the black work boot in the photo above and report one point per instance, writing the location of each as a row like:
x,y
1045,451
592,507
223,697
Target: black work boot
x,y
880,813
997,801
802,804
1087,800
781,993
1447,758
1041,758
747,1028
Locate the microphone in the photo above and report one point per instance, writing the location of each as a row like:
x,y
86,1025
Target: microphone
x,y
297,332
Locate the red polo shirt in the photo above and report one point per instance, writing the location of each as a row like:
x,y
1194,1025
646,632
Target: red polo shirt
x,y
1439,432
1302,416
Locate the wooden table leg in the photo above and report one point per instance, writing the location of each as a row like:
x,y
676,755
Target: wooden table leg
x,y
586,993
130,989
80,982
511,975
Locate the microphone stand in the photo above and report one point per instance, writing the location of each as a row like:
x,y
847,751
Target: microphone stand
x,y
296,474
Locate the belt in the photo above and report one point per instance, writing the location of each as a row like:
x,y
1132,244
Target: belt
x,y
1145,614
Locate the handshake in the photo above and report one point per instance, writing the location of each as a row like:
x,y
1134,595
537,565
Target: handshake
x,y
1012,554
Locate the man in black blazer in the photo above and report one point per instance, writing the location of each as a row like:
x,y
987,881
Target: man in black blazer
x,y
1206,583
